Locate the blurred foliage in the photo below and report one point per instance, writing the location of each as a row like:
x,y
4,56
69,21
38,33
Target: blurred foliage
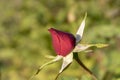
x,y
25,40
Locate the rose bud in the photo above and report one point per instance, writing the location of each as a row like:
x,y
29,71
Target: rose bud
x,y
63,42
67,48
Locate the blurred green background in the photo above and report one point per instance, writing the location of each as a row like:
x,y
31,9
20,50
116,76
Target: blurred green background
x,y
25,40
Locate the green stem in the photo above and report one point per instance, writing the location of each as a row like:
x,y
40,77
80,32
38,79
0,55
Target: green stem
x,y
83,66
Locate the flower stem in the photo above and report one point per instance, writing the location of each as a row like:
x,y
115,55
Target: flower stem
x,y
83,66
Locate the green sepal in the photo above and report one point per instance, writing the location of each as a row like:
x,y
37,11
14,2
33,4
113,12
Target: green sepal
x,y
82,47
67,60
57,58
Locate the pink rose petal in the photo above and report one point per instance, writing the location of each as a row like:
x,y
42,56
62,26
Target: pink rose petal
x,y
63,42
